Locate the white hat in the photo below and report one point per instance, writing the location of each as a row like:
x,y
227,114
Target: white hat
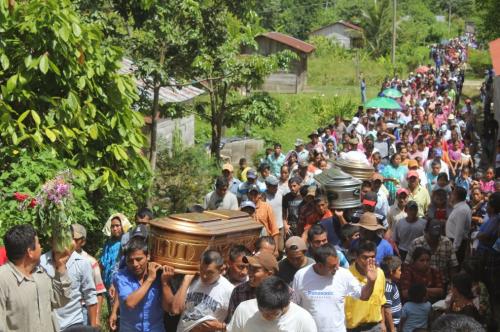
x,y
417,126
444,127
355,120
451,117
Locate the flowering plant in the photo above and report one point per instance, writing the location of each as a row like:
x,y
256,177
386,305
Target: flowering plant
x,y
52,205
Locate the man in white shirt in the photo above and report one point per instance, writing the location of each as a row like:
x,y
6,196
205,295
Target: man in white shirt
x,y
221,197
321,288
203,302
271,311
275,198
459,223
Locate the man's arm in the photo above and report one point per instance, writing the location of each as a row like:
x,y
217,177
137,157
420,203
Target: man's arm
x,y
177,303
371,277
88,291
135,297
61,283
167,274
387,317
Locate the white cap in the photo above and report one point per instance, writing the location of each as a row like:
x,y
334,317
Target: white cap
x,y
355,120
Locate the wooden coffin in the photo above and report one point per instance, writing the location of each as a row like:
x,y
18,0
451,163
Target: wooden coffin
x,y
180,239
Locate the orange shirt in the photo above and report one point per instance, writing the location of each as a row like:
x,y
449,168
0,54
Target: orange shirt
x,y
315,217
264,215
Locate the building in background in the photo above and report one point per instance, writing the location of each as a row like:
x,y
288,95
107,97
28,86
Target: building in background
x,y
344,33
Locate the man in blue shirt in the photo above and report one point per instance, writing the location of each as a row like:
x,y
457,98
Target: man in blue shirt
x,y
140,290
82,288
276,160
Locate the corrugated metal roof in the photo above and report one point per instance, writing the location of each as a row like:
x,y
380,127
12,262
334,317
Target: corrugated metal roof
x,y
169,94
344,23
290,41
495,55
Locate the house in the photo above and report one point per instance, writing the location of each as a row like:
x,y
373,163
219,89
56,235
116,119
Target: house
x,y
294,79
346,34
172,94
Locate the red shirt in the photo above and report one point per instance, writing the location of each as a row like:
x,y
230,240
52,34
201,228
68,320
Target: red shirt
x,y
3,256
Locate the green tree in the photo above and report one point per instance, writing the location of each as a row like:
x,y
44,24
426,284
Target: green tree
x,y
61,91
376,22
489,20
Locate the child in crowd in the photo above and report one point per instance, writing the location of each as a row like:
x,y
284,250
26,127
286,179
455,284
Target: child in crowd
x,y
467,160
442,182
488,184
391,265
432,176
415,313
348,233
455,158
464,180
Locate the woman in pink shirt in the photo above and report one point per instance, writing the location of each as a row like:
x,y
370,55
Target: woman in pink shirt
x,y
487,184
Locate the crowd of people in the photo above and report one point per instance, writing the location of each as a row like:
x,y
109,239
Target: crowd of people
x,y
420,253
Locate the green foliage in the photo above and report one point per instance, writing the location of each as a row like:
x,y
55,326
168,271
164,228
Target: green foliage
x,y
489,20
376,22
479,61
61,91
184,176
326,108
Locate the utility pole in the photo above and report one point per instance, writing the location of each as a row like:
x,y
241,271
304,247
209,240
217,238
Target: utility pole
x,y
394,16
449,18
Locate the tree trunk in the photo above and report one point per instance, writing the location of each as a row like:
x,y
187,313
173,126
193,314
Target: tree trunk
x,y
216,125
154,116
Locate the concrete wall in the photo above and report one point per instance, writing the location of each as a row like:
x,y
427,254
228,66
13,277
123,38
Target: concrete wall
x,y
280,82
338,32
167,127
248,148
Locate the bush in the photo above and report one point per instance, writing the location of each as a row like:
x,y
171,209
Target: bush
x,y
184,175
479,61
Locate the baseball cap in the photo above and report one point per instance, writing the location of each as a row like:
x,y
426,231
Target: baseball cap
x,y
433,228
140,231
253,187
370,199
228,167
79,232
354,141
402,191
355,120
245,204
251,174
262,259
311,191
451,117
444,127
295,243
417,126
272,180
412,163
412,174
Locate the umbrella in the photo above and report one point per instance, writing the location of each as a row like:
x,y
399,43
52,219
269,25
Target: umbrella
x,y
422,69
383,102
392,93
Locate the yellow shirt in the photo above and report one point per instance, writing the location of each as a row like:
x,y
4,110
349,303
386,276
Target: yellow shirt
x,y
359,312
422,198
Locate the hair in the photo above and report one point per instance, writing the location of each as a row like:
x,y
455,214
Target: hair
x,y
221,182
417,293
456,323
320,198
260,240
494,202
136,243
316,229
277,145
419,251
264,166
303,190
366,246
393,157
238,250
435,163
321,254
440,192
295,179
366,184
390,264
212,256
347,231
272,294
18,240
377,154
442,176
463,284
145,212
460,193
242,161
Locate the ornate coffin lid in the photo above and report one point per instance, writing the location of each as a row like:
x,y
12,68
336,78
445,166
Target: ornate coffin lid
x,y
336,178
207,223
357,169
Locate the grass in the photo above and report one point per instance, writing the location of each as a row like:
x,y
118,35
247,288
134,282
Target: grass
x,y
328,80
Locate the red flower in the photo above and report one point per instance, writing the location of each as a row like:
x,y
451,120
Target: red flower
x,y
33,203
20,197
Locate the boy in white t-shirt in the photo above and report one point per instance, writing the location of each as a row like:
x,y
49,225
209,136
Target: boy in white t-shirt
x,y
271,311
321,288
202,302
